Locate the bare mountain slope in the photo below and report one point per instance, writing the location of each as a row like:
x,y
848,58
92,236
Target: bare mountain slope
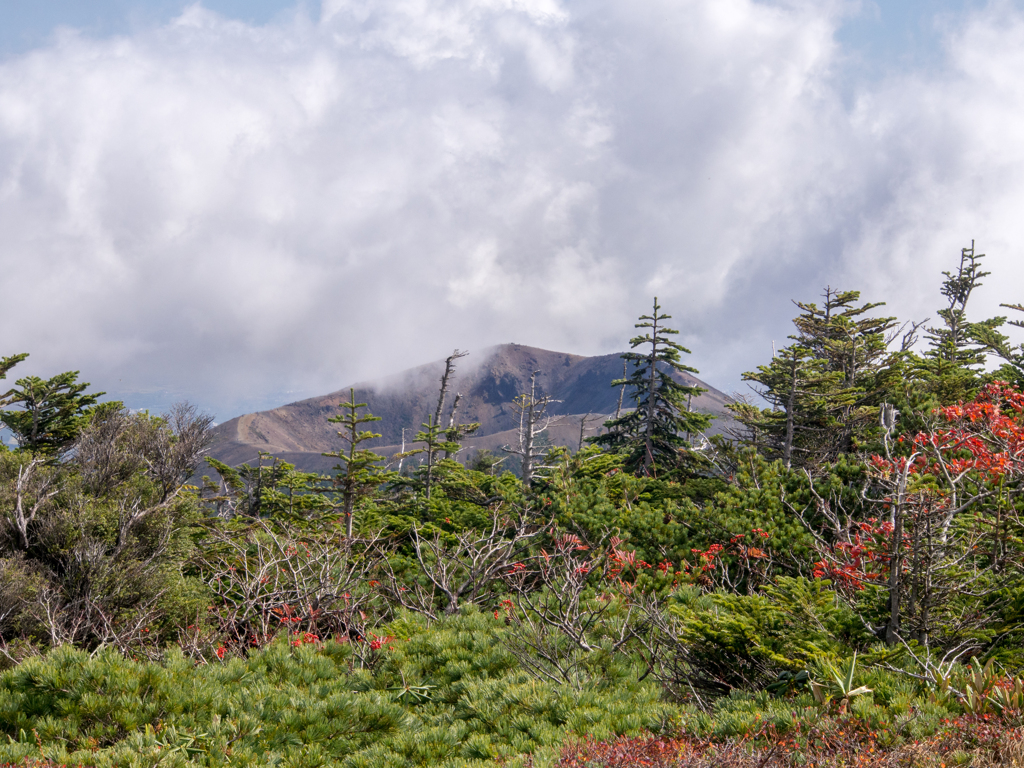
x,y
299,432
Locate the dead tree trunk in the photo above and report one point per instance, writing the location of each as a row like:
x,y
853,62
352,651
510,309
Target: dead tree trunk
x,y
533,420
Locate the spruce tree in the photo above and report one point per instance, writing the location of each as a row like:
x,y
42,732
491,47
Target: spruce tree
x,y
838,333
792,384
952,341
653,436
1012,369
360,472
273,490
952,366
825,389
435,442
986,334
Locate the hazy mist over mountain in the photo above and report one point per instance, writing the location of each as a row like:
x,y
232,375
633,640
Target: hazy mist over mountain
x,y
486,384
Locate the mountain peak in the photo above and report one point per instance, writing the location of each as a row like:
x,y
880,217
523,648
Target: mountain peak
x,y
488,382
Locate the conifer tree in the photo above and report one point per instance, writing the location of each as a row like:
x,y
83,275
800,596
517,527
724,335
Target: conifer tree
x,y
438,439
792,385
435,442
825,389
839,334
952,341
1012,368
273,489
52,411
952,365
653,434
6,363
360,472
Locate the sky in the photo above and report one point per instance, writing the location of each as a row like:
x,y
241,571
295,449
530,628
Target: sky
x,y
246,202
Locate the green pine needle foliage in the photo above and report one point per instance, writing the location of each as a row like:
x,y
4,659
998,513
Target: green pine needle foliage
x,y
315,704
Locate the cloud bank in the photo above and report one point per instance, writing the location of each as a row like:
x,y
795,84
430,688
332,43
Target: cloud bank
x,y
243,215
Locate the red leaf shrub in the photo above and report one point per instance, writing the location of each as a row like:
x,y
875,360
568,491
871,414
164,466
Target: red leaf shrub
x,y
977,741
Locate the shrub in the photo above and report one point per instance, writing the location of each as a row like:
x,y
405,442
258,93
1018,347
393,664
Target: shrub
x,y
414,694
829,744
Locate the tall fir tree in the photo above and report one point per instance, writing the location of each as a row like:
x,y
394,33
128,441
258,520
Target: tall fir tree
x,y
952,366
360,472
839,333
1012,368
825,389
986,334
654,435
793,384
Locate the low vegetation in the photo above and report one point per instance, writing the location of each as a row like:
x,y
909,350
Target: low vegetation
x,y
837,582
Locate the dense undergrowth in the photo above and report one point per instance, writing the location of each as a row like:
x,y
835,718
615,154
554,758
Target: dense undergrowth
x,y
451,694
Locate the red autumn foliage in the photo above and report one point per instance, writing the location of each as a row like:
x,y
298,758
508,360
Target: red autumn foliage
x,y
983,438
958,467
977,741
860,560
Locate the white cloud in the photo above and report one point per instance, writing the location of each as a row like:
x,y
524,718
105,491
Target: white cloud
x,y
246,214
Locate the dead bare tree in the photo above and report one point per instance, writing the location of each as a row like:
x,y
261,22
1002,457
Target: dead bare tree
x,y
583,429
36,484
92,533
621,384
452,431
435,438
111,449
465,567
104,596
271,578
449,369
565,605
118,444
175,455
533,420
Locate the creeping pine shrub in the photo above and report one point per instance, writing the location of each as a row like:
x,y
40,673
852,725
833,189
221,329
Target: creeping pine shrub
x,y
747,641
445,694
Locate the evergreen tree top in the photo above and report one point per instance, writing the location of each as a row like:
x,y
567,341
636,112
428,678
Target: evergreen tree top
x,y
952,342
658,430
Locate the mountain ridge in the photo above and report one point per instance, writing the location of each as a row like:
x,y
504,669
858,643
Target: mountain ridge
x,y
300,432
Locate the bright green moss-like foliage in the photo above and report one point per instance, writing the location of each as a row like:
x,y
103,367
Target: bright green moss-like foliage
x,y
432,696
